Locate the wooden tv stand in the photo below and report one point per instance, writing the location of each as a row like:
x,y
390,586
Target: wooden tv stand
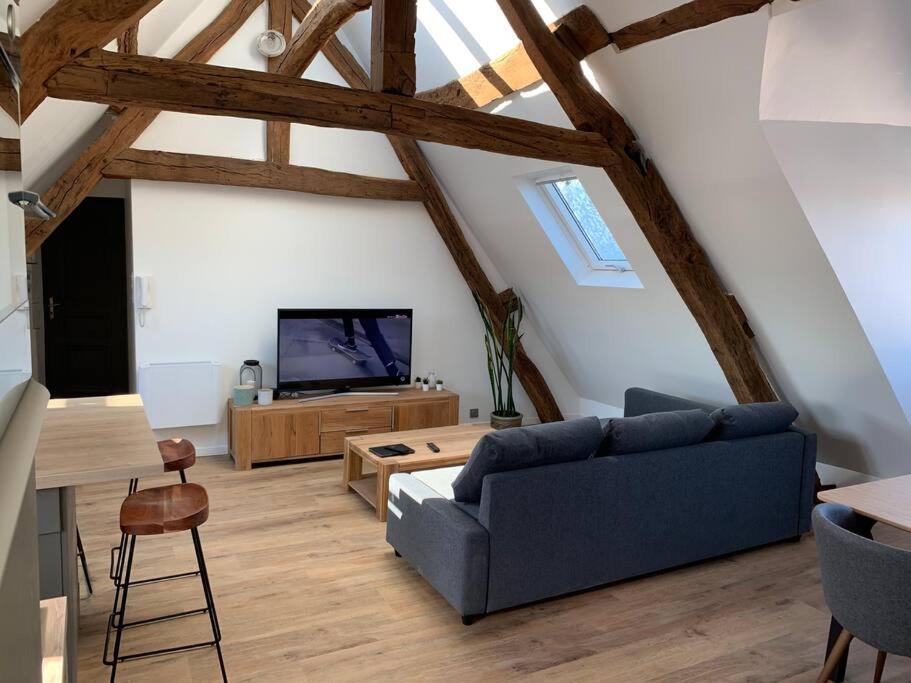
x,y
289,430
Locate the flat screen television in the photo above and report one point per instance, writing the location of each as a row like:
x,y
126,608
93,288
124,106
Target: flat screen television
x,y
343,349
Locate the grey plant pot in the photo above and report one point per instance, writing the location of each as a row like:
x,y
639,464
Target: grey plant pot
x,y
499,422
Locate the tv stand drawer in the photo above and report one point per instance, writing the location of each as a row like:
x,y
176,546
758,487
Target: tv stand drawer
x,y
334,442
355,418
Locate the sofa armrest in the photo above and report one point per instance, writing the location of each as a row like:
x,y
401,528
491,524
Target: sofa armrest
x,y
444,544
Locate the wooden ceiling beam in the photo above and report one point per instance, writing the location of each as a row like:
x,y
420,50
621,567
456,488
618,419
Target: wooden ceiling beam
x,y
392,61
124,129
690,15
579,31
278,133
138,164
418,169
67,29
650,202
318,26
338,55
111,78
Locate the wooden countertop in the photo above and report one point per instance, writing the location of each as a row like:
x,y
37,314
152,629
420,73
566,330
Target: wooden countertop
x,y
53,639
885,500
93,440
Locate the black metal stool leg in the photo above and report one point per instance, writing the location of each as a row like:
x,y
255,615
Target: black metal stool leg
x,y
123,608
80,551
116,568
210,601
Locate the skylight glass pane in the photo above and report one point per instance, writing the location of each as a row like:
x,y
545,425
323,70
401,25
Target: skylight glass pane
x,y
590,223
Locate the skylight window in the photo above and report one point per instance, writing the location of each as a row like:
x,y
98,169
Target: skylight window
x,y
584,225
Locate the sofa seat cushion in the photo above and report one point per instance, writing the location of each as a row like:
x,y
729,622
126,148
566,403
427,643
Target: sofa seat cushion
x,y
515,449
655,431
440,479
752,419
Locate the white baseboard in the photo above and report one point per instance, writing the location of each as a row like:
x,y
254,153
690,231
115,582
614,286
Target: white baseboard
x,y
212,450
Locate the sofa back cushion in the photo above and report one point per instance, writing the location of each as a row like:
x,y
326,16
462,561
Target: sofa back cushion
x,y
752,419
638,401
655,431
516,449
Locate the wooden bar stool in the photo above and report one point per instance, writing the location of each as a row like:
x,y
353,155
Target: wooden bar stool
x,y
176,455
150,512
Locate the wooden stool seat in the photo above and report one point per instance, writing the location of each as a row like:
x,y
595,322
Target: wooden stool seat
x,y
164,509
177,454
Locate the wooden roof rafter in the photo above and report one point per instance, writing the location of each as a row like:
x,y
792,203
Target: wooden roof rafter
x,y
69,28
582,34
318,26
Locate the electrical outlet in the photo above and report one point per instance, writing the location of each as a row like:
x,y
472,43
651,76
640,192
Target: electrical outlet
x,y
473,412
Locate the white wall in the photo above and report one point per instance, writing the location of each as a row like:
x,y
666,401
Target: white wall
x,y
223,259
836,109
839,61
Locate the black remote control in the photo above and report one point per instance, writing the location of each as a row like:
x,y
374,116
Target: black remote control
x,y
432,446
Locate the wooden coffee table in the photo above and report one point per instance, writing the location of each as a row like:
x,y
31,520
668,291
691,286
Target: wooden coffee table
x,y
456,444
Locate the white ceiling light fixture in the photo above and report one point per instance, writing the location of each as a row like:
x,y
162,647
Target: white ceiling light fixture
x,y
271,44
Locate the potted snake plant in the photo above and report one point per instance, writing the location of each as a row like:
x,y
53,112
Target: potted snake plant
x,y
502,343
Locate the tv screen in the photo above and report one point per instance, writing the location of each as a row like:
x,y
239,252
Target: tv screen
x,y
343,348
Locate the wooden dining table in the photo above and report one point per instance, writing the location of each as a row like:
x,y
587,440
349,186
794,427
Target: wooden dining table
x,y
83,441
885,500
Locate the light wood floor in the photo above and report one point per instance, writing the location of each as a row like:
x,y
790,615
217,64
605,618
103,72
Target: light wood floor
x,y
307,590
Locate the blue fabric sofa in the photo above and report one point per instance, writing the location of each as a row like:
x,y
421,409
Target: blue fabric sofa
x,y
549,530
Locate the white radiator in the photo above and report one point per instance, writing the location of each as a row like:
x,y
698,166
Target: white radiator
x,y
181,394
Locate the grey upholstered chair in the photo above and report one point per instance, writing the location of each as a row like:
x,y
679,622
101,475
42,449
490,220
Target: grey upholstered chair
x,y
867,586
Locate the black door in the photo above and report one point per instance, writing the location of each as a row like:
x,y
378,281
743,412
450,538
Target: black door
x,y
84,274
